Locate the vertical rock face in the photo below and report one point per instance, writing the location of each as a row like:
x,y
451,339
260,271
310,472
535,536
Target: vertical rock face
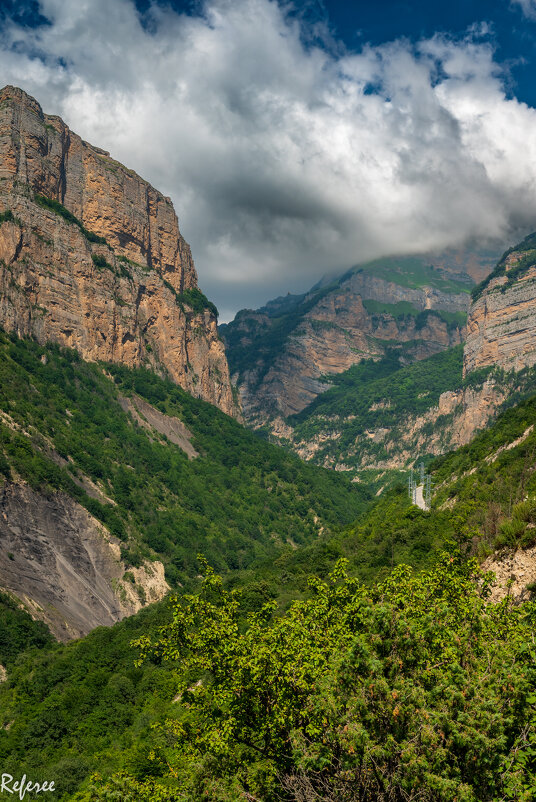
x,y
106,272
501,328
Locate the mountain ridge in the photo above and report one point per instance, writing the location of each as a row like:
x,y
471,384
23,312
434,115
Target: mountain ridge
x,y
282,355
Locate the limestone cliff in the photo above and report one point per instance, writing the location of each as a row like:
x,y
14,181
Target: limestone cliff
x,y
501,329
281,355
446,425
92,257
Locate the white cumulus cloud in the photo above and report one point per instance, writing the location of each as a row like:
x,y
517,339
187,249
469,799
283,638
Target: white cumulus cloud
x,y
286,160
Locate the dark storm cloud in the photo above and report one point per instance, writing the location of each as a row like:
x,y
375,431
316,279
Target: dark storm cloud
x,y
286,159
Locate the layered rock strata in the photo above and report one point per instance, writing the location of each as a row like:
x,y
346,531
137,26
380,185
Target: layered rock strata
x,y
357,319
92,257
449,424
501,328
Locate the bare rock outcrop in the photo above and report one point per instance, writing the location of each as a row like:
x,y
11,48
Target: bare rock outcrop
x,y
515,573
65,566
107,271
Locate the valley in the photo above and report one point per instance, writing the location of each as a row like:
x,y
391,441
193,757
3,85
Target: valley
x,y
213,582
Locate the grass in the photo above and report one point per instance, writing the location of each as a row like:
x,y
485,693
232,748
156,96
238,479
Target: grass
x,y
413,272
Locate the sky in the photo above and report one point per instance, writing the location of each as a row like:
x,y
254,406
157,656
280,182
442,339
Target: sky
x,y
299,138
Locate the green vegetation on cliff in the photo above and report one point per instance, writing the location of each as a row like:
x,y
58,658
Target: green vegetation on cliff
x,y
490,484
56,207
376,396
413,272
239,500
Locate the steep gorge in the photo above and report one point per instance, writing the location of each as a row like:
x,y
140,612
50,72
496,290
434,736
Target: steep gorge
x,y
385,415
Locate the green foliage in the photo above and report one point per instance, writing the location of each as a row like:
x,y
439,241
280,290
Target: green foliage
x,y
398,310
100,261
76,708
409,389
404,309
375,395
241,500
491,484
7,217
413,272
56,207
18,631
415,689
193,298
393,531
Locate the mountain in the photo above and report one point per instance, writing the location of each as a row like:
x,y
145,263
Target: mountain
x,y
377,416
115,472
283,355
73,710
91,257
113,480
122,478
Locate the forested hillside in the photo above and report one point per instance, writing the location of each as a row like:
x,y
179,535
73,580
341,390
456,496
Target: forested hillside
x,y
240,498
292,702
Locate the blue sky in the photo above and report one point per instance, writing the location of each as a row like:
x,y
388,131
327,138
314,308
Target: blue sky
x,y
298,139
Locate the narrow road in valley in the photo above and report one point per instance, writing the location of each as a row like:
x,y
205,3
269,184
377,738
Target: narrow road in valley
x,y
419,497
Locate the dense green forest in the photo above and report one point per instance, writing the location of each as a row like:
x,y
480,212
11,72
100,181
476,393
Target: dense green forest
x,y
241,499
290,665
327,671
417,688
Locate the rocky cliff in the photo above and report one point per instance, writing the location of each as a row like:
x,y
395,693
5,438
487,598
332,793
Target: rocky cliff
x,y
91,257
365,422
501,329
280,355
